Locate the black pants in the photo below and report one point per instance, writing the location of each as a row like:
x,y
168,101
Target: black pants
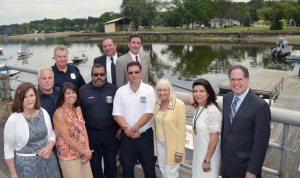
x,y
141,148
105,145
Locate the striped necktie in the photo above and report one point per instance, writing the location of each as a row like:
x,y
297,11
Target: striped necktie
x,y
233,108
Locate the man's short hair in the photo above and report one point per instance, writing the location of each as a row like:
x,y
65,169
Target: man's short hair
x,y
44,68
135,35
243,68
133,63
60,48
97,65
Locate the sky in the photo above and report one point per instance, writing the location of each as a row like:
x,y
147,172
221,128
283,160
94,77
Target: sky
x,y
21,11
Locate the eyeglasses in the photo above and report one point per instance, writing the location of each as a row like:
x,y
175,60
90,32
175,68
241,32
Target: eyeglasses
x,y
135,72
99,74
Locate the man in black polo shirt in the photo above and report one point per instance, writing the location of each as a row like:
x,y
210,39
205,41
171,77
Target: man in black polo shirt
x,y
64,72
96,101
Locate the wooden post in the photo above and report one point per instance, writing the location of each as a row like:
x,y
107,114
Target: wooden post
x,y
5,87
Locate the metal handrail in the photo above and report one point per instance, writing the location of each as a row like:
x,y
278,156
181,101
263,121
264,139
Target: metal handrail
x,y
284,116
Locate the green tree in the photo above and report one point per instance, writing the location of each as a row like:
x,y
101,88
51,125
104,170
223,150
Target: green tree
x,y
107,16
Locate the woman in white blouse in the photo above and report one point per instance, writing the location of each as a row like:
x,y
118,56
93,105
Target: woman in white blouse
x,y
29,137
207,123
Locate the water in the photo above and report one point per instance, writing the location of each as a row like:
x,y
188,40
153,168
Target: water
x,y
181,63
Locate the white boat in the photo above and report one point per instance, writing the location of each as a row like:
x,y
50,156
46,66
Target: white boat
x,y
24,50
1,50
282,49
79,56
7,71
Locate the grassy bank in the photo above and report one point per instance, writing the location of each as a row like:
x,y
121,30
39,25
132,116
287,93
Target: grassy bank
x,y
171,35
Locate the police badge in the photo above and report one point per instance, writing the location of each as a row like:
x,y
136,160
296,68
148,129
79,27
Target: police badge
x,y
109,99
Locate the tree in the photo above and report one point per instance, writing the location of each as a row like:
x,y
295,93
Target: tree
x,y
277,11
133,9
107,16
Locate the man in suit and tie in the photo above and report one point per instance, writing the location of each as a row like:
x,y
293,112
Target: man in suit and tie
x,y
109,59
245,130
135,42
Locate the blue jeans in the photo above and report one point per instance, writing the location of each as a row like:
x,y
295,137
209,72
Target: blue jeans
x,y
141,148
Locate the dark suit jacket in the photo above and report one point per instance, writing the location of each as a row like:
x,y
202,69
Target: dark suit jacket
x,y
102,60
149,76
245,141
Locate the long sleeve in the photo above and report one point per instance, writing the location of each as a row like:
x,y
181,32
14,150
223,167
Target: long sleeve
x,y
181,120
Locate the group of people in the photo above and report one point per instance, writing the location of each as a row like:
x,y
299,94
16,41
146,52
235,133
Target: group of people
x,y
69,128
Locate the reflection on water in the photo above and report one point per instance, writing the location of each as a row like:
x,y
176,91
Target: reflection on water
x,y
181,63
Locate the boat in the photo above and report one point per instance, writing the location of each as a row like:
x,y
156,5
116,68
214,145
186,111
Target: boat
x,y
294,57
79,56
4,58
282,49
7,71
1,50
24,50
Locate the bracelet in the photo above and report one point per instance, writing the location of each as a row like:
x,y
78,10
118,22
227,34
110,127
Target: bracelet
x,y
207,162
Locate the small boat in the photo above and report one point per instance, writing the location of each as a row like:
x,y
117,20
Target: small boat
x,y
7,71
79,56
24,50
4,58
1,50
294,57
282,49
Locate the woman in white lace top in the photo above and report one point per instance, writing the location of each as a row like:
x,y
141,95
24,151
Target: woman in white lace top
x,y
207,123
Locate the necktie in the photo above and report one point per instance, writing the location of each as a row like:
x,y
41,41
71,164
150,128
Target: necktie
x,y
113,71
233,108
137,59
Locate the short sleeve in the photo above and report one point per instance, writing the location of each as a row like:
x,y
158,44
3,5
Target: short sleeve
x,y
214,119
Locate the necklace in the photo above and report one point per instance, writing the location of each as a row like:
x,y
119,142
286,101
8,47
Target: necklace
x,y
196,118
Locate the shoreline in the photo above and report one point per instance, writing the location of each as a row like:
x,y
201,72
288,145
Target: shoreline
x,y
258,37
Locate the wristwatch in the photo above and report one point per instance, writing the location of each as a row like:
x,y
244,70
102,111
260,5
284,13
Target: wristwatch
x,y
133,129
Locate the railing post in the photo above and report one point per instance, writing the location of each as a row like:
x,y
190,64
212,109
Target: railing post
x,y
5,87
283,150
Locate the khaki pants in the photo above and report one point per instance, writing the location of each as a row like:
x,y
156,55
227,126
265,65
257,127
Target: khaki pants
x,y
75,169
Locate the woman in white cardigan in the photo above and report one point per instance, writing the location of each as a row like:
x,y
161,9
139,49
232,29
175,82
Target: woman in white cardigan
x,y
29,137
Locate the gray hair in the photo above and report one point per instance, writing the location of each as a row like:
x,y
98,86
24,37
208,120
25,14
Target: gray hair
x,y
165,83
43,69
60,48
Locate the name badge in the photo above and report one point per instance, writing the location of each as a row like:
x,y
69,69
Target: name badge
x,y
73,76
142,99
109,99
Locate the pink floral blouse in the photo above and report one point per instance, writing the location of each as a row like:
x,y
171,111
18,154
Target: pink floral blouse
x,y
76,127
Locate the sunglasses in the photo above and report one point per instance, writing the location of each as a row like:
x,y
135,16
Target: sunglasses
x,y
99,74
135,72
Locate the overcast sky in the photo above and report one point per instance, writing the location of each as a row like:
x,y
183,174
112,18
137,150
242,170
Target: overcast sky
x,y
20,11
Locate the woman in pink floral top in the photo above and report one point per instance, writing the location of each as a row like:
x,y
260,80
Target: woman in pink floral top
x,y
72,140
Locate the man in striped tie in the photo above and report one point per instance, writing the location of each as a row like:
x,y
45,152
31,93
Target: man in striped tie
x,y
245,130
135,42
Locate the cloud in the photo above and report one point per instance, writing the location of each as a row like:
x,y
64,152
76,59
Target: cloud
x,y
20,11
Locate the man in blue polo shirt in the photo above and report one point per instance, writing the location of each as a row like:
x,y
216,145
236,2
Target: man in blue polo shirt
x,y
96,101
47,92
64,72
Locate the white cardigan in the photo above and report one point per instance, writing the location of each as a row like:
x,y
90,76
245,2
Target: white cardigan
x,y
16,133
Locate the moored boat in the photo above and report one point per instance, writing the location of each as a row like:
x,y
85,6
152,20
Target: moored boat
x,y
282,49
24,50
79,56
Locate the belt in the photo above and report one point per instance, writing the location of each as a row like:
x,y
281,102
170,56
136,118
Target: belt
x,y
26,154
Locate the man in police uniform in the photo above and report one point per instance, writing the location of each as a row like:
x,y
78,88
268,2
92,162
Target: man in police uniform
x,y
64,72
96,101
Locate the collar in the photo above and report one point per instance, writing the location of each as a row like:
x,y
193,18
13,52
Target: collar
x,y
140,89
57,69
171,104
133,55
242,96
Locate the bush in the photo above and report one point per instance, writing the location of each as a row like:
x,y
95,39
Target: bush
x,y
276,26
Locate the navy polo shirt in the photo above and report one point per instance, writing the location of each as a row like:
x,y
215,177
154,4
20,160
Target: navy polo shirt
x,y
48,101
97,105
72,75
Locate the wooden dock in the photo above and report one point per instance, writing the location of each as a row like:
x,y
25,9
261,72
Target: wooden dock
x,y
265,82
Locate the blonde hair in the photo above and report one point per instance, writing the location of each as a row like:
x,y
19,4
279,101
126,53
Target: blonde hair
x,y
165,83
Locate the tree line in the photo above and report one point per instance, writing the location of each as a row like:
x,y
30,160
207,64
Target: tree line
x,y
176,13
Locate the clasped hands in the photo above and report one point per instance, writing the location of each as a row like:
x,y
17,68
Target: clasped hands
x,y
129,133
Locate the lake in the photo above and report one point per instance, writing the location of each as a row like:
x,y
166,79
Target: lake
x,y
181,63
